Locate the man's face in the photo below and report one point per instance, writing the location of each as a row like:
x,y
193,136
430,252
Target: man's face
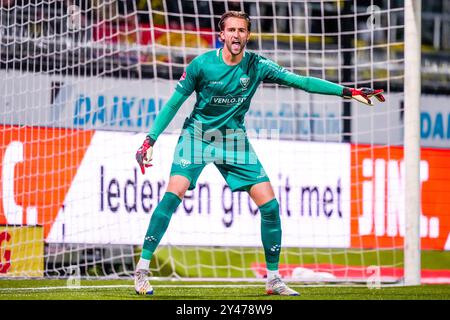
x,y
235,35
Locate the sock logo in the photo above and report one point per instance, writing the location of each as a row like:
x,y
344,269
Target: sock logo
x,y
150,238
275,248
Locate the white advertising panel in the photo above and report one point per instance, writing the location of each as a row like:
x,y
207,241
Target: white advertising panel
x,y
435,122
111,202
384,123
131,105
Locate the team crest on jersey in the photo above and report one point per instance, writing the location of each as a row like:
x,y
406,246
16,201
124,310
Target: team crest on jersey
x,y
245,80
184,163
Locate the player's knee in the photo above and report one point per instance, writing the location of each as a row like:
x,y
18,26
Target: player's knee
x,y
270,211
178,193
178,185
178,190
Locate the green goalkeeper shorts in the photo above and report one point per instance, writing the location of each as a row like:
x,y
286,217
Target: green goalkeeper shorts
x,y
233,156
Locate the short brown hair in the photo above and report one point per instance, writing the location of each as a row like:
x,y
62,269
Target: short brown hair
x,y
234,14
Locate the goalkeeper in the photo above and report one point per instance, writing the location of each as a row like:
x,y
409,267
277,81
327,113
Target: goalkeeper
x,y
225,81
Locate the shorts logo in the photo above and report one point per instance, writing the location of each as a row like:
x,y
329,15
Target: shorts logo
x,y
185,163
262,174
245,80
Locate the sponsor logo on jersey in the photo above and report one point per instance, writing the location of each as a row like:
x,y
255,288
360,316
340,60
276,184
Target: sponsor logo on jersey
x,y
183,76
226,100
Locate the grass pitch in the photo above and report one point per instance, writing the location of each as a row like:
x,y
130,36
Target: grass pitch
x,y
178,290
45,289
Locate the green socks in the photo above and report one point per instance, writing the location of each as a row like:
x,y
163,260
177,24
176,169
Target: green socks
x,y
271,233
270,228
159,223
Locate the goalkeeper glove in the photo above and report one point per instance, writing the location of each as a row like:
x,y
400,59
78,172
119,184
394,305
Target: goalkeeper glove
x,y
363,94
144,154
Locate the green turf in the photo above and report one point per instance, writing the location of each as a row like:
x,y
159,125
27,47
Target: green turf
x,y
235,262
174,290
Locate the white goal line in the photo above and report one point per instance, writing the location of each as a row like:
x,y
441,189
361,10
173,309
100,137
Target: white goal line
x,y
131,286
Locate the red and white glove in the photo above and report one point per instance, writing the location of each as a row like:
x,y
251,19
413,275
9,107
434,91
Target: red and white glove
x,y
363,94
144,154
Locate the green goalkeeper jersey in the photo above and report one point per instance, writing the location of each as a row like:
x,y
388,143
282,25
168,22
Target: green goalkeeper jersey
x,y
224,92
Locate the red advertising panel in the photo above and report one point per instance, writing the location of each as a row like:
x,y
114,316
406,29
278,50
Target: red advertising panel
x,y
37,169
145,34
378,199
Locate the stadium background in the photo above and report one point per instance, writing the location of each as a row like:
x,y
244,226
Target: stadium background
x,y
114,42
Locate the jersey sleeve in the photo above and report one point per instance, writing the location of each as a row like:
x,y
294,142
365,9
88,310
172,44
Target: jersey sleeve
x,y
166,115
270,71
188,81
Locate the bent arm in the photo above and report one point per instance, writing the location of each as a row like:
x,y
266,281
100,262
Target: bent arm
x,y
166,115
310,84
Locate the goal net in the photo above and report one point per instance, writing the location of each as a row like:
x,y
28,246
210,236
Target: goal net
x,y
82,82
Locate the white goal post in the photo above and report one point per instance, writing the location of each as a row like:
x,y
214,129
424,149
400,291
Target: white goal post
x,y
412,140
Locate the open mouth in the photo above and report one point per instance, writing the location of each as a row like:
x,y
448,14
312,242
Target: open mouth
x,y
236,44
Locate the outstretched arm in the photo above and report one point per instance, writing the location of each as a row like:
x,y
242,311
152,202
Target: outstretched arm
x,y
275,73
316,85
162,120
309,84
